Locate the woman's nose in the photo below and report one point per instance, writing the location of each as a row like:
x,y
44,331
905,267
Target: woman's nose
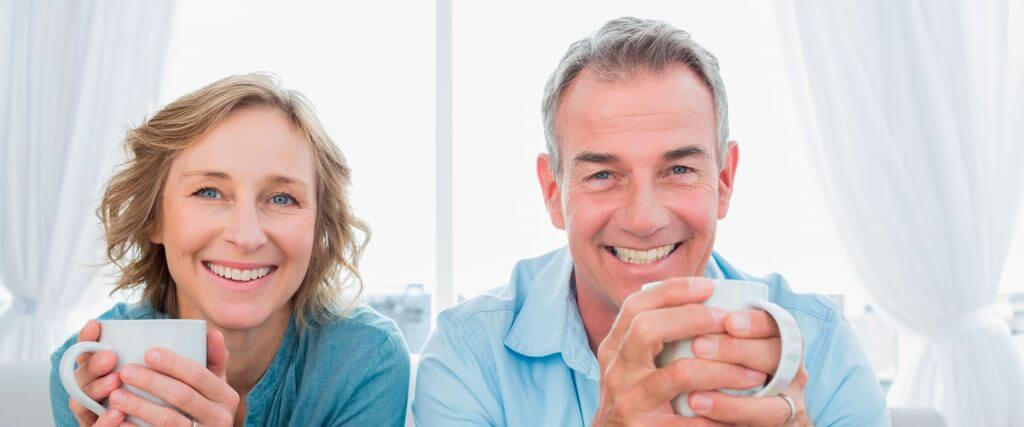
x,y
246,230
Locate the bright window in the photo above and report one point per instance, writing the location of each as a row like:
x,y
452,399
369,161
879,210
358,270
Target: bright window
x,y
778,221
369,71
369,68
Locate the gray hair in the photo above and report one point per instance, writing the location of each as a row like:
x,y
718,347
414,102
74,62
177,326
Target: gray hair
x,y
621,47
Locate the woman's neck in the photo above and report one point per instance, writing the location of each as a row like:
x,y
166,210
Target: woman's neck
x,y
251,351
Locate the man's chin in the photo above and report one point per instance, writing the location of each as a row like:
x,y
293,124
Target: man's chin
x,y
622,284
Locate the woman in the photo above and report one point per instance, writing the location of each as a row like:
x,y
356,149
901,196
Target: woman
x,y
233,208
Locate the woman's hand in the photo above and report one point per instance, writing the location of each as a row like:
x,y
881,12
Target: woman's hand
x,y
95,375
201,392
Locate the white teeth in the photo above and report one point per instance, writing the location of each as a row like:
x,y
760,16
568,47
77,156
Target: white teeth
x,y
238,275
636,256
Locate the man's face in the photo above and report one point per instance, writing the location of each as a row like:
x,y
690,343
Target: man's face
x,y
640,190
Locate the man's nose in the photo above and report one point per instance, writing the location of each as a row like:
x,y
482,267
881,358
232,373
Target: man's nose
x,y
644,213
245,230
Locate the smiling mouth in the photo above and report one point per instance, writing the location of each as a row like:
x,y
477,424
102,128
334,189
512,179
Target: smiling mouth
x,y
239,275
642,256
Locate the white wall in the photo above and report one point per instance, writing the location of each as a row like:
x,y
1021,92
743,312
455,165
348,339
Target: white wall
x,y
369,68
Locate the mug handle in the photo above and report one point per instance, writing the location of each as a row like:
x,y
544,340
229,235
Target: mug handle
x,y
792,349
67,374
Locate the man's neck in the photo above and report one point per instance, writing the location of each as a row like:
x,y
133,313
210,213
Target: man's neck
x,y
597,314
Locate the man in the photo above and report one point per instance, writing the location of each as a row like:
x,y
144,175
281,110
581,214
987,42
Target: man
x,y
638,171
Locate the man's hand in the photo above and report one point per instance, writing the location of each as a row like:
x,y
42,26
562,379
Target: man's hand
x,y
751,340
636,392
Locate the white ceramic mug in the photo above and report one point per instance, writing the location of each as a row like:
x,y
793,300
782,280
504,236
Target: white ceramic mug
x,y
129,340
738,295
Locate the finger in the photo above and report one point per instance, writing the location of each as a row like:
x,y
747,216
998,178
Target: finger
x,y
751,324
189,372
111,418
216,354
101,387
95,366
89,332
761,354
172,391
751,411
84,416
668,293
684,376
147,411
651,329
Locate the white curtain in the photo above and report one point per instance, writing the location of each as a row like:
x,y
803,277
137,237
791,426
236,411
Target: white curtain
x,y
915,113
74,76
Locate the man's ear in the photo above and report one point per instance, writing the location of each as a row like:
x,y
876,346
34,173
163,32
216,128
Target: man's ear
x,y
549,188
727,178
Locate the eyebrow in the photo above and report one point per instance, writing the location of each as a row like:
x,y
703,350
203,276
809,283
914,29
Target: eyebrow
x,y
273,179
205,174
281,179
592,157
676,154
684,152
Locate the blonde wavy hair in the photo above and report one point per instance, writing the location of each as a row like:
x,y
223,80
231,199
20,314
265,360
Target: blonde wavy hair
x,y
130,207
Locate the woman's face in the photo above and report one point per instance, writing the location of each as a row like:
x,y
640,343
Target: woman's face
x,y
237,217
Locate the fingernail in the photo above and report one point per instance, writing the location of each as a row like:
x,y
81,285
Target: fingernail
x,y
114,413
128,372
700,403
741,322
756,376
700,285
717,314
705,346
117,397
649,285
153,357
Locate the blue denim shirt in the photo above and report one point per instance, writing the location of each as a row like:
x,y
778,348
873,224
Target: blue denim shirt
x,y
519,356
351,371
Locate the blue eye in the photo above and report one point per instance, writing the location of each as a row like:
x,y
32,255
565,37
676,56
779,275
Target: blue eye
x,y
602,175
679,170
208,193
282,199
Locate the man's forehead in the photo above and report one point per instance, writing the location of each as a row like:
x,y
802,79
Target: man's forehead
x,y
673,105
611,121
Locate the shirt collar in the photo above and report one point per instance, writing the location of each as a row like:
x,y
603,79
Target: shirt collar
x,y
540,329
273,377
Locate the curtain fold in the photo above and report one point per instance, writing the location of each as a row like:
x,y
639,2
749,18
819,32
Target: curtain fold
x,y
73,77
913,111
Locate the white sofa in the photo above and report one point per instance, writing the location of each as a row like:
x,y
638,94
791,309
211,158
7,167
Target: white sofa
x,y
25,394
25,398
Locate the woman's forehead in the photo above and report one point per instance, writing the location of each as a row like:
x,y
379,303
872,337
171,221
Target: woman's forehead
x,y
251,143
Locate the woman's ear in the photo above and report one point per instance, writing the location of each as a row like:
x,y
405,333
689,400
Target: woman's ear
x,y
156,230
156,235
